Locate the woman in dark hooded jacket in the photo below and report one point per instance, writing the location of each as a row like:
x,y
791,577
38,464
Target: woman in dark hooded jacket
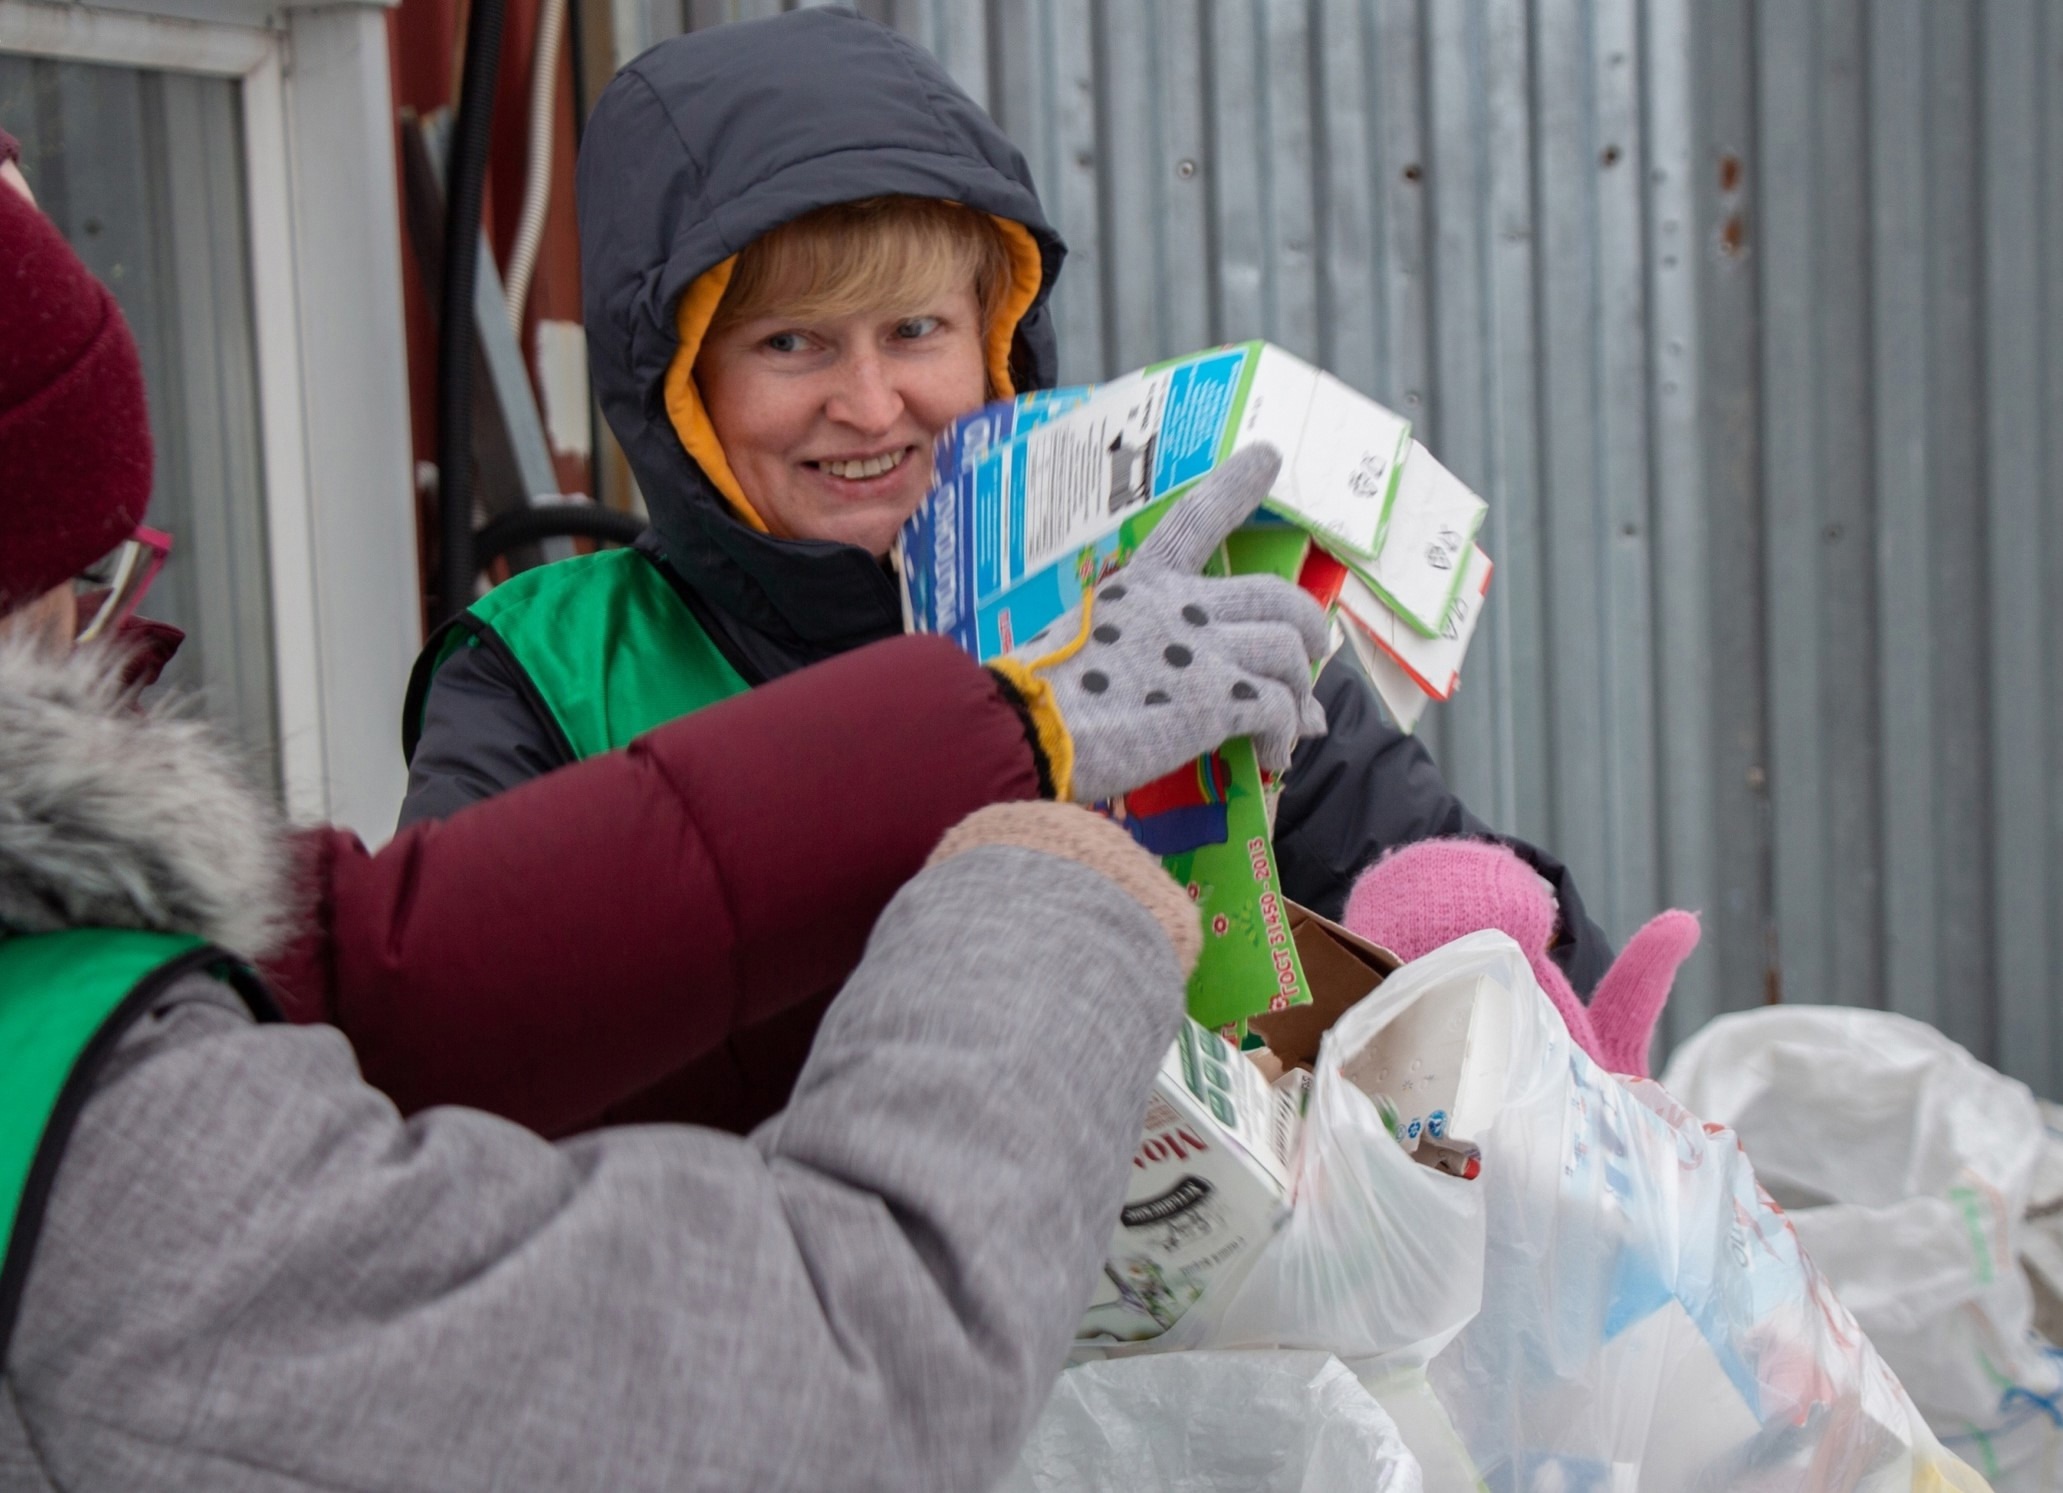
x,y
765,552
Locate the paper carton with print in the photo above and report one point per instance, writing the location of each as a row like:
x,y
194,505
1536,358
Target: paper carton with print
x,y
1206,1190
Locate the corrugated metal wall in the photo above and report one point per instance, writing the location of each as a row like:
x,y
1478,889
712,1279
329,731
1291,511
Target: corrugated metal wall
x,y
1740,316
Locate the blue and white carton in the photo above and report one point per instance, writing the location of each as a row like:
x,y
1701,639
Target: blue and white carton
x,y
980,561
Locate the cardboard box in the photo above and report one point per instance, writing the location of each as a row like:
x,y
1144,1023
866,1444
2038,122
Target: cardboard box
x,y
1207,1189
1433,664
927,554
1217,1159
1397,690
1432,527
1339,969
1249,960
990,566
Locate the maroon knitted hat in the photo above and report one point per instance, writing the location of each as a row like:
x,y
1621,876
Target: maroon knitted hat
x,y
74,430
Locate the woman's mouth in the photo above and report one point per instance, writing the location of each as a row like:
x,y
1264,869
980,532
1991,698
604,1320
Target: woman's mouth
x,y
861,468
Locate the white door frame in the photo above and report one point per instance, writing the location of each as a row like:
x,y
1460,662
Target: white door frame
x,y
331,365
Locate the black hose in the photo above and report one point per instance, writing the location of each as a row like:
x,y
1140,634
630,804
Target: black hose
x,y
465,177
576,51
553,521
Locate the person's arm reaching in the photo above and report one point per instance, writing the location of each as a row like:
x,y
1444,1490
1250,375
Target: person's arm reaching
x,y
253,1272
561,947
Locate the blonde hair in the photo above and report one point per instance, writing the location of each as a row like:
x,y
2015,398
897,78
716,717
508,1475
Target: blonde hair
x,y
901,253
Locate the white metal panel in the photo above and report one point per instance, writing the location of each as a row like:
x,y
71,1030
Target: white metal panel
x,y
83,34
323,320
290,527
347,240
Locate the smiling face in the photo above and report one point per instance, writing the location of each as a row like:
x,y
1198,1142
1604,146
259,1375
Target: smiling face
x,y
827,420
842,343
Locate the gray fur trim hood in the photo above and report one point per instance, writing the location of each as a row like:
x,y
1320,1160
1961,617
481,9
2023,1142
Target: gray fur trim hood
x,y
115,814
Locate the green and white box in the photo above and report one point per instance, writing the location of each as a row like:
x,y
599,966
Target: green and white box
x,y
1433,523
1432,663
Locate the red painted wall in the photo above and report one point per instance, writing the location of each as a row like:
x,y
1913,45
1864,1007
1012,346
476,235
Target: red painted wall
x,y
425,41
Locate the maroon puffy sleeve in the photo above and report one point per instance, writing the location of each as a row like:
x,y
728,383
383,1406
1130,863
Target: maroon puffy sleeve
x,y
652,933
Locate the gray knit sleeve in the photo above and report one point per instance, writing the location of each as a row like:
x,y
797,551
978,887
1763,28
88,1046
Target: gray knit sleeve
x,y
255,1275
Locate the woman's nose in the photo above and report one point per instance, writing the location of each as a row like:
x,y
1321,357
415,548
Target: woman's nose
x,y
865,397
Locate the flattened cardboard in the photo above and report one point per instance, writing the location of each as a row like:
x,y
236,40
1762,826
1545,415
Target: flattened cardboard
x,y
1339,968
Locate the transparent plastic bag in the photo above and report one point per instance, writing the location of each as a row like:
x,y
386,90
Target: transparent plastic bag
x,y
2041,1241
1614,1303
1260,1422
1907,1167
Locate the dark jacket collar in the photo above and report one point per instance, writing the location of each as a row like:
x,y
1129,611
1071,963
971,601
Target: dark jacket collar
x,y
700,146
777,604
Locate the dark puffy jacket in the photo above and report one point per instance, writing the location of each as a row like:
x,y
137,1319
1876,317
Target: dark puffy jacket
x,y
700,146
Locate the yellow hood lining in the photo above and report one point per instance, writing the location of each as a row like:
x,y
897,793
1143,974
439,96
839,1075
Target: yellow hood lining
x,y
1027,273
697,310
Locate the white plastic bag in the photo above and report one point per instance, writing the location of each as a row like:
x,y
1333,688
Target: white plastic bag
x,y
2041,1242
1204,1422
1613,1304
1381,1261
1907,1166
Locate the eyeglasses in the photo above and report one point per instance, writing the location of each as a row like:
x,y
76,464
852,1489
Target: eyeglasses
x,y
110,589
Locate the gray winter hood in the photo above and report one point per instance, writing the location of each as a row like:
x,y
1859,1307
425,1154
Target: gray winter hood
x,y
702,145
115,816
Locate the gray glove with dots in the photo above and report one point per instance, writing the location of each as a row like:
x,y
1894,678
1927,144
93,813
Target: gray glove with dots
x,y
1159,665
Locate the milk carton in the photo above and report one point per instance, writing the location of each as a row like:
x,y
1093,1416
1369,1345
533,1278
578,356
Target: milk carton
x,y
1207,1188
927,553
1432,528
994,556
1432,664
1398,691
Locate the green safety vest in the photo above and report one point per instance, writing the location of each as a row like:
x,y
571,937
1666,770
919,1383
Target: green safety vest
x,y
604,644
65,1000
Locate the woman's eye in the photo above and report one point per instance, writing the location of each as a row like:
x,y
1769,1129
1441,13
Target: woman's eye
x,y
784,342
915,327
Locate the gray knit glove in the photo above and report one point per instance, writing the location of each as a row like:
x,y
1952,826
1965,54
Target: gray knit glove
x,y
1161,665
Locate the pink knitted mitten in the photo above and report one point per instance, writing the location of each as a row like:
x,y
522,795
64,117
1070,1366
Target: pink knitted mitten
x,y
1424,895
